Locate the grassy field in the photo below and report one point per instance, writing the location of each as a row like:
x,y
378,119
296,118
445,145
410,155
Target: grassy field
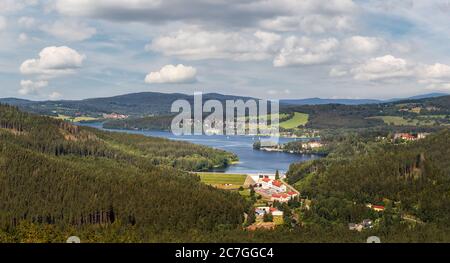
x,y
223,180
75,119
400,121
255,118
299,119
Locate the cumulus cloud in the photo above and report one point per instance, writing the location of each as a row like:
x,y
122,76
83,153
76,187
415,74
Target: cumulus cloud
x,y
436,71
198,44
305,51
173,74
235,12
69,30
338,72
436,76
54,95
386,67
53,61
29,87
360,44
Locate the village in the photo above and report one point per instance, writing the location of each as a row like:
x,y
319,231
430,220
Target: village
x,y
273,193
277,203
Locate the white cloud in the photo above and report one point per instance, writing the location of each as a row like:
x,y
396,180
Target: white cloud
x,y
301,7
53,61
69,30
436,71
54,95
26,22
338,72
386,67
29,87
2,23
360,44
196,44
314,23
305,51
435,77
172,74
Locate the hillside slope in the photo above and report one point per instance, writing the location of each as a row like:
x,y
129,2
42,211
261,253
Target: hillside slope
x,y
135,104
71,177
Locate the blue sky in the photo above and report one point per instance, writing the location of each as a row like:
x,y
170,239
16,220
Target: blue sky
x,y
74,49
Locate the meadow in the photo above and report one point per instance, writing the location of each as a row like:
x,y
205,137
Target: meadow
x,y
299,119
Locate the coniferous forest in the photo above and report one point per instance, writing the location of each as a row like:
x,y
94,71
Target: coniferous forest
x,y
58,179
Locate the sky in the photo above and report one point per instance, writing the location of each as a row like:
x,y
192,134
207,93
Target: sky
x,y
75,49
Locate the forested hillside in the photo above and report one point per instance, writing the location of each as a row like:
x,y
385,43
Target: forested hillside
x,y
135,104
67,177
411,180
426,114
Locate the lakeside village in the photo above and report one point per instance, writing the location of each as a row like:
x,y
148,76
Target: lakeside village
x,y
274,195
316,146
277,202
276,198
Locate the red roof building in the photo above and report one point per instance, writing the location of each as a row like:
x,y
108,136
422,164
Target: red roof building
x,y
277,183
378,207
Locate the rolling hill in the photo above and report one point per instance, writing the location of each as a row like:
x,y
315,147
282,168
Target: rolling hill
x,y
67,178
135,104
155,103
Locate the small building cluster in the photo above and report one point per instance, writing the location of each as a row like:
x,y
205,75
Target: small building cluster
x,y
312,145
262,210
283,197
410,137
271,188
365,224
115,116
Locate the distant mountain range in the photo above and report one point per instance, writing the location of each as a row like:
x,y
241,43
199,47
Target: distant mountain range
x,y
154,103
319,101
135,104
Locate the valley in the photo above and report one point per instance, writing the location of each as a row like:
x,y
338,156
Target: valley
x,y
129,185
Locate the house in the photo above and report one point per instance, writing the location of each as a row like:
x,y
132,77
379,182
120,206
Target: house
x,y
292,194
261,210
278,186
378,208
404,136
265,183
282,198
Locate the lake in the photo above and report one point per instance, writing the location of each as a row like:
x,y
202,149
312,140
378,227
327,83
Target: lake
x,y
250,160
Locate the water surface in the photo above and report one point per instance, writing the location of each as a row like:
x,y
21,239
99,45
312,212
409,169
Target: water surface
x,y
250,160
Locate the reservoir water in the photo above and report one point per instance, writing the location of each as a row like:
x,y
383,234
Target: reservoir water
x,y
250,160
